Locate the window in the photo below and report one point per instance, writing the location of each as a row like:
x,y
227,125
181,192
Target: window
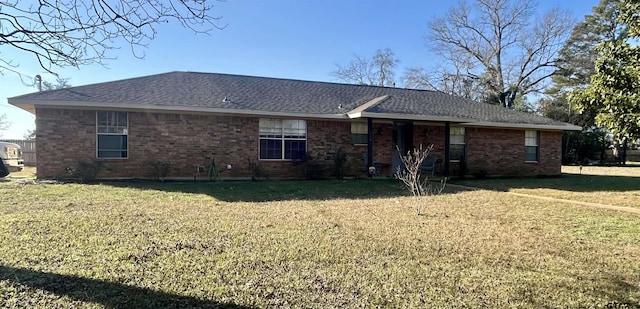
x,y
282,139
359,133
112,134
456,144
531,146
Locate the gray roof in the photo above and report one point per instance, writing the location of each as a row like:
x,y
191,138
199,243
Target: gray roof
x,y
214,92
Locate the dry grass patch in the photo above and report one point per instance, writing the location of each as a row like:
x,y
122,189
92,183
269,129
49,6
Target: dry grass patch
x,y
102,245
617,186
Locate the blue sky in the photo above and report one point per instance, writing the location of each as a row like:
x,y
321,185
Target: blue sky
x,y
298,39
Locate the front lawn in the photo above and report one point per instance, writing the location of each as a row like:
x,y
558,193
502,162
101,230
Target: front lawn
x,y
618,186
306,244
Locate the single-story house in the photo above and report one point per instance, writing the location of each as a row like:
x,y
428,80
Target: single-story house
x,y
182,118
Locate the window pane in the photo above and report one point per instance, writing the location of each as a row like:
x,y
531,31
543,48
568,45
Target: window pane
x,y
122,119
270,149
531,138
103,119
456,130
456,153
112,122
531,153
359,128
295,150
359,138
295,128
457,139
270,128
112,146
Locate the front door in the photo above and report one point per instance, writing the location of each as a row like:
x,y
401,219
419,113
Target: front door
x,y
402,142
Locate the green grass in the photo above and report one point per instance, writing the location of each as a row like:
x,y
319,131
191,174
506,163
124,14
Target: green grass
x,y
307,244
618,186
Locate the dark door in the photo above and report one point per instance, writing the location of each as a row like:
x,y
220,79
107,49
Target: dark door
x,y
402,142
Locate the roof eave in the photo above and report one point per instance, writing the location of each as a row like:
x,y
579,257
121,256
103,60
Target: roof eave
x,y
30,105
396,116
567,127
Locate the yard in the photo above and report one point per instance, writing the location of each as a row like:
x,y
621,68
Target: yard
x,y
356,243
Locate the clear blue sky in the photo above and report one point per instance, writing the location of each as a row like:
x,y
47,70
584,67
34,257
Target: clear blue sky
x,y
298,39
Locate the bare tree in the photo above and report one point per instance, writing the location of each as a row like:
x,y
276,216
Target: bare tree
x,y
502,45
376,71
410,172
60,83
80,32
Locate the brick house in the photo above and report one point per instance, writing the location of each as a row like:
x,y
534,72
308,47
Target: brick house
x,y
184,117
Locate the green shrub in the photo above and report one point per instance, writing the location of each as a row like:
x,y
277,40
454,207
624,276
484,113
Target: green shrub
x,y
86,171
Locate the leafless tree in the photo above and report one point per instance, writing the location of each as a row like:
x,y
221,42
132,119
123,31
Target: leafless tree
x,y
502,45
410,173
376,71
80,32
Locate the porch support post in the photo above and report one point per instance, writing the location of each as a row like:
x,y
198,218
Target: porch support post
x,y
447,141
369,145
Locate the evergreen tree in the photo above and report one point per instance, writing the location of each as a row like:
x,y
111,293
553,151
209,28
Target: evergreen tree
x,y
577,62
614,91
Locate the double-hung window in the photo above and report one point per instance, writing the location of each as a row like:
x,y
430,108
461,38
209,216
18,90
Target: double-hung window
x,y
283,139
456,144
359,133
531,146
112,130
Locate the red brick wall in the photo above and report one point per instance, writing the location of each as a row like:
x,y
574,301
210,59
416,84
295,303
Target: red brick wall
x,y
496,151
66,137
187,140
501,152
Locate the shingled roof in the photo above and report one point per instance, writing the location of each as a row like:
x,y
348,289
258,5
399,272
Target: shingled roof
x,y
238,94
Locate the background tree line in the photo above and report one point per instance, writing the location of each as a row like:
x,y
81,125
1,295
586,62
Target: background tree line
x,y
500,51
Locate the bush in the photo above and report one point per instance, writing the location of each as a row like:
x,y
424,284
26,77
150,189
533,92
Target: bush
x,y
312,166
159,169
339,163
257,172
86,171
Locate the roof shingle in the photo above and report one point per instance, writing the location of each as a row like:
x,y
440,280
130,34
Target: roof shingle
x,y
275,95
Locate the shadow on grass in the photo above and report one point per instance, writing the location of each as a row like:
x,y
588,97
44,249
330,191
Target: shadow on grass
x,y
566,182
284,190
272,190
109,294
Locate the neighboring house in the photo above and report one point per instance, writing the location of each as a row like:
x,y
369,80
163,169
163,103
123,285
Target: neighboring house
x,y
184,117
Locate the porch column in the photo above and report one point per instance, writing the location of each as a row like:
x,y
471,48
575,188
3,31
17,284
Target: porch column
x,y
369,145
447,137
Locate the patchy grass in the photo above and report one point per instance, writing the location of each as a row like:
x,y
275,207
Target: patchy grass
x,y
307,244
618,186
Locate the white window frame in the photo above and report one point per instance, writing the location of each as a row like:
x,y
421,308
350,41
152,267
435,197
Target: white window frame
x,y
276,130
359,129
532,139
463,143
116,129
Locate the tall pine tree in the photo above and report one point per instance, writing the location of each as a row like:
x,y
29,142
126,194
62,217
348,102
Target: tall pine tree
x,y
614,91
577,62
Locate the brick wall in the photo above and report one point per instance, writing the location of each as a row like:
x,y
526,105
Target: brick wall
x,y
66,137
502,152
497,152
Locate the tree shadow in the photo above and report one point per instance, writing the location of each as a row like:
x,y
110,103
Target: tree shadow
x,y
566,182
109,294
274,190
618,292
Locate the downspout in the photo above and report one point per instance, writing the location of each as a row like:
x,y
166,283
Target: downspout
x,y
447,137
